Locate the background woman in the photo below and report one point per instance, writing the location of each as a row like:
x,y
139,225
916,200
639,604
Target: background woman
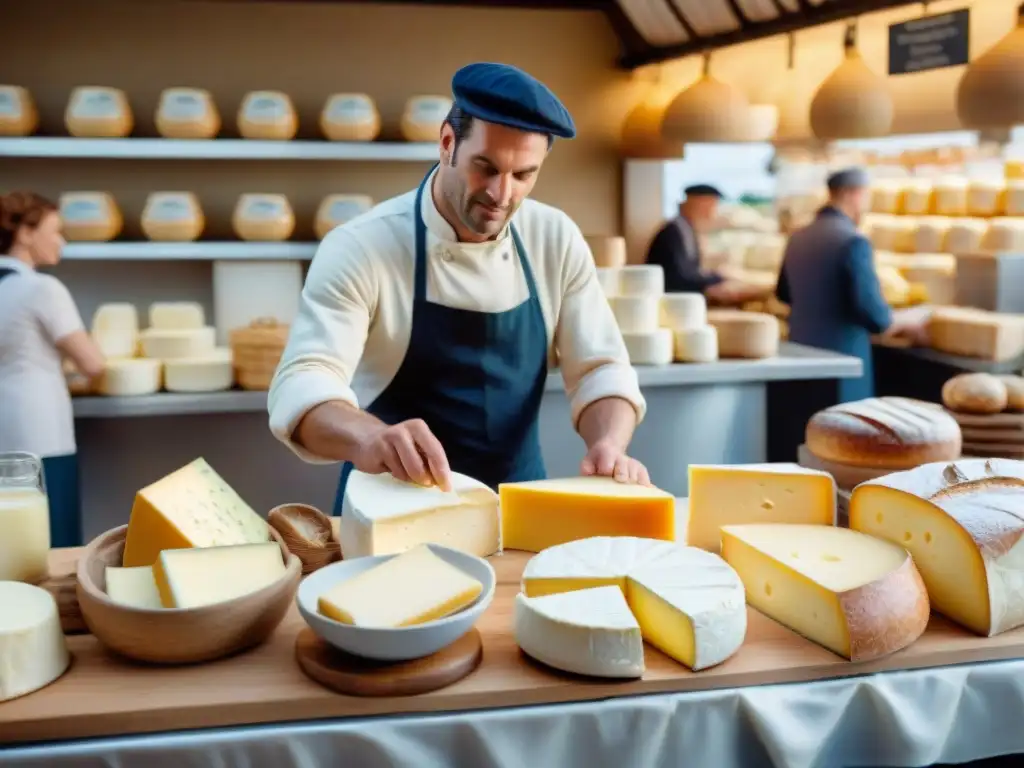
x,y
40,325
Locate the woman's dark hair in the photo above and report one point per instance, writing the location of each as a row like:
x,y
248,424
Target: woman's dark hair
x,y
21,209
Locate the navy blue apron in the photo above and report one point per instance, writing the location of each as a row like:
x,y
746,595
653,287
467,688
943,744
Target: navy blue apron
x,y
475,378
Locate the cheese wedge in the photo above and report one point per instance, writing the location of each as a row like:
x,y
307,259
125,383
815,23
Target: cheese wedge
x,y
33,652
539,514
688,603
134,587
587,632
411,588
192,578
382,516
858,596
963,522
755,493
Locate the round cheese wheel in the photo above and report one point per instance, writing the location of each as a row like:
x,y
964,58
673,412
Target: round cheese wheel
x,y
176,315
212,372
883,231
1014,391
1004,234
965,235
164,344
636,314
116,344
18,113
90,216
187,113
930,236
853,102
652,348
707,111
751,335
33,652
263,217
423,117
1014,201
917,197
350,117
975,393
131,378
641,280
986,198
609,279
172,216
991,92
681,311
335,210
267,115
607,251
696,345
951,196
98,112
115,316
885,196
904,234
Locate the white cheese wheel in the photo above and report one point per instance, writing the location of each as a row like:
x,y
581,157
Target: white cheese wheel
x,y
745,334
116,344
609,279
263,217
966,235
350,117
267,115
90,216
641,280
652,348
172,216
607,251
696,345
131,377
335,210
18,113
986,197
161,344
1004,234
187,113
115,316
931,233
951,196
176,315
917,197
1015,197
210,373
885,196
423,117
98,112
33,652
680,311
636,314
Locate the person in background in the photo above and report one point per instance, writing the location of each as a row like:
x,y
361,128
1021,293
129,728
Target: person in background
x,y
676,248
40,325
828,280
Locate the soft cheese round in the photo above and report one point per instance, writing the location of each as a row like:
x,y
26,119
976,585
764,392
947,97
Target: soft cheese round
x,y
32,649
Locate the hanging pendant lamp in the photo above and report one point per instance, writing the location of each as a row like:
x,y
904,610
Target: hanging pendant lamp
x,y
708,111
641,130
991,91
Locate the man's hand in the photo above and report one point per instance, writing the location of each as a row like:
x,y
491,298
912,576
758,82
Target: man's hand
x,y
409,451
605,459
911,323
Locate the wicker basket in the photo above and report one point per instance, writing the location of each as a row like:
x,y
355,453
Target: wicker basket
x,y
256,351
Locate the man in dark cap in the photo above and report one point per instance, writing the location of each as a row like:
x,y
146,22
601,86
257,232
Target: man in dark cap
x,y
676,248
828,279
426,325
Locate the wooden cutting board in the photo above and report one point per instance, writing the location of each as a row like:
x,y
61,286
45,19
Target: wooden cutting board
x,y
999,435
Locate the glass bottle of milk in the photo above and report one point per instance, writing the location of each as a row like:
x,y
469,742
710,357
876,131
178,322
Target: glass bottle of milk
x,y
24,519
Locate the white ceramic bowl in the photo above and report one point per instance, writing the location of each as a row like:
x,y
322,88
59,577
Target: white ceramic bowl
x,y
403,643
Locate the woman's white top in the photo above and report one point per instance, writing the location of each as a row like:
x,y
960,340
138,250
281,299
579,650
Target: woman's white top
x,y
355,316
36,310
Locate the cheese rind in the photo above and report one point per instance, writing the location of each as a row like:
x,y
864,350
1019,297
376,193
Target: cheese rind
x,y
976,333
33,652
755,493
116,344
683,311
858,596
115,316
641,280
133,587
187,113
191,507
98,112
412,588
350,117
268,115
192,578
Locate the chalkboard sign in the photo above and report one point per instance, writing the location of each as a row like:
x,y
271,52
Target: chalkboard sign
x,y
931,42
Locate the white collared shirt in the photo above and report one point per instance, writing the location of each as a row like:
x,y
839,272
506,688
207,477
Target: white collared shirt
x,y
355,316
36,311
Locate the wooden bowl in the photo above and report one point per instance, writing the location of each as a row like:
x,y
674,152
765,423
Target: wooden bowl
x,y
178,635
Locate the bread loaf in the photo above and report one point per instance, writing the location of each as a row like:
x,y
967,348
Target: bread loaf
x,y
975,393
884,432
1014,391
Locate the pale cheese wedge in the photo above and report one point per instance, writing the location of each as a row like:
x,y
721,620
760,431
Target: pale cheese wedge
x,y
192,578
134,587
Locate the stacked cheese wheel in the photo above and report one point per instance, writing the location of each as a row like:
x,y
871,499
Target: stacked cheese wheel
x,y
635,293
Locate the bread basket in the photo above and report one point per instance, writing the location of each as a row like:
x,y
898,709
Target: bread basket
x,y
256,351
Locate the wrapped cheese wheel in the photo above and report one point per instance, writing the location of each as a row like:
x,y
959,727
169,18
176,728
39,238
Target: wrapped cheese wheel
x,y
18,113
263,218
173,216
423,117
98,112
350,117
267,115
335,210
90,216
187,113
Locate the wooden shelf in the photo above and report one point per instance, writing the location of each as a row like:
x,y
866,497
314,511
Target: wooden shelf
x,y
196,251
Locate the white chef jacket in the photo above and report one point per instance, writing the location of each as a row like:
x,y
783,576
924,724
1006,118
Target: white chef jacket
x,y
355,315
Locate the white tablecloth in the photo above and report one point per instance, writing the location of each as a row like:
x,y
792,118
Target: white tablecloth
x,y
948,714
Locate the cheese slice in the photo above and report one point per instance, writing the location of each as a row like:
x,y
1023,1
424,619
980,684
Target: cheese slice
x,y
98,112
411,588
641,280
115,316
191,507
176,315
213,372
963,523
423,117
755,493
335,210
745,334
172,216
683,311
350,117
696,345
134,587
538,514
131,377
33,652
192,578
655,347
383,516
267,115
90,216
689,603
262,217
636,314
163,344
18,113
586,632
187,113
858,596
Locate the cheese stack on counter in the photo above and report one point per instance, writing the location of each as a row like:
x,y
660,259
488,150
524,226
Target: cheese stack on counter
x,y
885,196
350,117
115,329
268,115
423,116
917,197
976,333
33,652
90,216
637,309
750,335
187,113
966,513
931,234
608,252
335,210
173,216
686,316
263,217
131,377
98,112
608,279
587,606
179,339
18,113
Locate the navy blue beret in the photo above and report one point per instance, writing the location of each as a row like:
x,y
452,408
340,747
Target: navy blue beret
x,y
702,190
503,94
848,177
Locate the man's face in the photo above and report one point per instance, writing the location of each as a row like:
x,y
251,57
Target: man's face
x,y
701,210
860,199
486,179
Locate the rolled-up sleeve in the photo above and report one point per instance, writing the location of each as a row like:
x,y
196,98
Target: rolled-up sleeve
x,y
867,302
327,337
592,355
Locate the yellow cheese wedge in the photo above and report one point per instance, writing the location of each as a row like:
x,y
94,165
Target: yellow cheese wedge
x,y
963,522
134,587
192,578
856,595
411,588
755,493
192,507
539,514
